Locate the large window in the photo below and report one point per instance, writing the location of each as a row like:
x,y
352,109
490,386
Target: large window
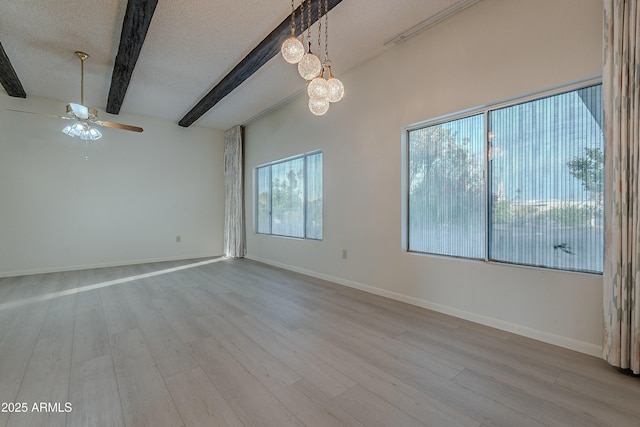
x,y
522,183
289,197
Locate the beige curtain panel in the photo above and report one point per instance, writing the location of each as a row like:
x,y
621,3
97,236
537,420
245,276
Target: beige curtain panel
x,y
234,233
621,75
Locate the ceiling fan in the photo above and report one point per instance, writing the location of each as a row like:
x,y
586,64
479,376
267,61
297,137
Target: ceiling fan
x,y
84,117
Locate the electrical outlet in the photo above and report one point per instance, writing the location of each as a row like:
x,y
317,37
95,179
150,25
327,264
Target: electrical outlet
x,y
344,254
178,239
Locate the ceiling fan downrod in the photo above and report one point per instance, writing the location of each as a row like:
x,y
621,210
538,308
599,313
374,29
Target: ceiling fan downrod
x,y
82,57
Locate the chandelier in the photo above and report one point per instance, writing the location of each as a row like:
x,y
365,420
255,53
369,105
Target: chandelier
x,y
322,91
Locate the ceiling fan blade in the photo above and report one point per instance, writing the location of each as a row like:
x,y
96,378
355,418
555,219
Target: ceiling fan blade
x,y
80,111
118,126
42,114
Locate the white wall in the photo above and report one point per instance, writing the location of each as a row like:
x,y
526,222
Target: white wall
x,y
495,50
125,204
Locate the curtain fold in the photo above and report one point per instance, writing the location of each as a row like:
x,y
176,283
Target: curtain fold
x,y
621,86
234,231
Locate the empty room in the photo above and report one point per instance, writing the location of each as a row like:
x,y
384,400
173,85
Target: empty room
x,y
320,213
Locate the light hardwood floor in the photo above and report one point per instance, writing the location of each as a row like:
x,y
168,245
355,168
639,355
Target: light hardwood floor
x,y
235,342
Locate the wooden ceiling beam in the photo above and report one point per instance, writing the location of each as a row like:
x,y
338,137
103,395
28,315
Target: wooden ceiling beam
x,y
8,77
260,55
136,23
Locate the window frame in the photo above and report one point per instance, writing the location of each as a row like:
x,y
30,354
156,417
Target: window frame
x,y
269,165
485,110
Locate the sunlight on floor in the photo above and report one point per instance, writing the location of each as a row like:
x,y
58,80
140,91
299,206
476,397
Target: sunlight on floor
x,y
78,290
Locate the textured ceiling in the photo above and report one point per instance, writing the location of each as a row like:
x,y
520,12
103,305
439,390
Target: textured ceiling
x,y
190,46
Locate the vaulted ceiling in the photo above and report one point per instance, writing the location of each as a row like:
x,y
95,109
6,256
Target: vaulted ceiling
x,y
203,62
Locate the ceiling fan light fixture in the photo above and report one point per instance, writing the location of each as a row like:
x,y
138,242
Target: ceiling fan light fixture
x,y
74,129
94,134
82,130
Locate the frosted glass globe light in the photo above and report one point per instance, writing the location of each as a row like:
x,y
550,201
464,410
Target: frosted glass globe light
x,y
335,89
318,88
309,66
318,106
292,50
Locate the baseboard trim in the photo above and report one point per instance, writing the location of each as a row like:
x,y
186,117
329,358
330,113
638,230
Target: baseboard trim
x,y
559,340
101,265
